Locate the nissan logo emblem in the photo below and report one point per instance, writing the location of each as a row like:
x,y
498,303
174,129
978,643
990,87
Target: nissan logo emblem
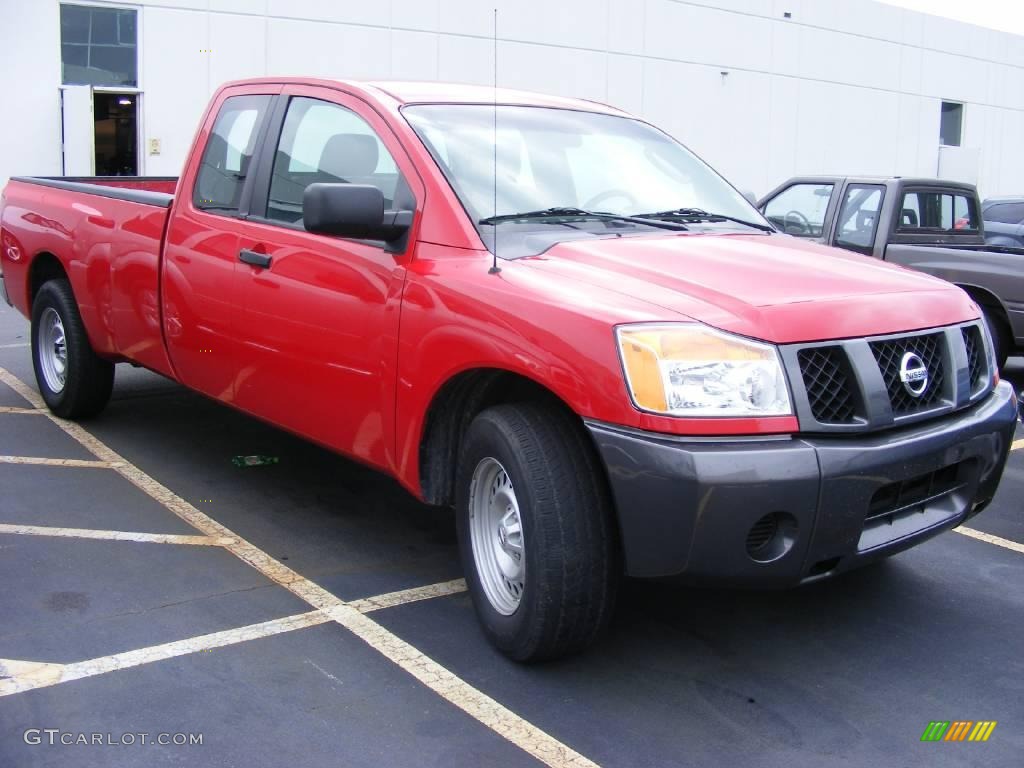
x,y
913,374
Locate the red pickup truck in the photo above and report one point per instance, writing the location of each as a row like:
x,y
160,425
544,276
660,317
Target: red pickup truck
x,y
541,311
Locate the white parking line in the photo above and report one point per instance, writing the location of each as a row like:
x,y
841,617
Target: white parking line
x,y
434,676
14,346
90,533
35,675
56,462
999,541
21,411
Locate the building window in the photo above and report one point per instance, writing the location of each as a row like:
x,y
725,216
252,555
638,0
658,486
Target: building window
x,y
98,46
952,124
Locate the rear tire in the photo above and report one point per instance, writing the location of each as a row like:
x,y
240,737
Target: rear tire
x,y
528,482
1000,334
73,381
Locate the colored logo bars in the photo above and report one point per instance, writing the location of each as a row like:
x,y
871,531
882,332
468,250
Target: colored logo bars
x,y
958,730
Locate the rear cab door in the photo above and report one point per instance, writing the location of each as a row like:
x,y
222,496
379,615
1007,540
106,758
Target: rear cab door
x,y
199,288
318,315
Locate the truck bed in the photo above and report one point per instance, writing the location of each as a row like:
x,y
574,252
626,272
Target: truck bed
x,y
149,190
111,231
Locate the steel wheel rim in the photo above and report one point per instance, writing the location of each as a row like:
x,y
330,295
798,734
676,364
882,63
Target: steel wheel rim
x,y
497,537
53,350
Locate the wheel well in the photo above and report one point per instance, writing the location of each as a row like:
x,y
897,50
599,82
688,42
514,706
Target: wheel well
x,y
44,267
987,299
452,410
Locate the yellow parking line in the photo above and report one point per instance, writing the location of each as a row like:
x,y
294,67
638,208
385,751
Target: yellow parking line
x,y
90,533
999,541
27,675
20,411
413,595
56,462
434,676
35,675
1016,445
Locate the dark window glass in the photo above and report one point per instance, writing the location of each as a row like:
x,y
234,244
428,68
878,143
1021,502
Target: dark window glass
x,y
74,56
74,24
1005,213
228,153
98,46
858,218
323,142
800,209
938,212
126,34
112,58
104,29
951,123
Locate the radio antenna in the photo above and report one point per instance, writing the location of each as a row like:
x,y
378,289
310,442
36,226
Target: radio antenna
x,y
495,269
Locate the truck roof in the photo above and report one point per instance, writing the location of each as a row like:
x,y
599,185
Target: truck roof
x,y
413,92
905,180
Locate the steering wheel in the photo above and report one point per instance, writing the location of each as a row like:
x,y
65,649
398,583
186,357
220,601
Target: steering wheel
x,y
599,198
799,219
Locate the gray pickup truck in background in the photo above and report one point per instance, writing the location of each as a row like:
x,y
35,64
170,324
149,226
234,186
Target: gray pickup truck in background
x,y
1003,219
926,224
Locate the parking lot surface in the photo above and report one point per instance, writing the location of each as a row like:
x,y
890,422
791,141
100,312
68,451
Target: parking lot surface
x,y
311,613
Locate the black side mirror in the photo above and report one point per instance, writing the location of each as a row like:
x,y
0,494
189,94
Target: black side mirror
x,y
352,210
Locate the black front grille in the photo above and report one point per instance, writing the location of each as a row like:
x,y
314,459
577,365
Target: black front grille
x,y
889,355
975,355
828,387
916,492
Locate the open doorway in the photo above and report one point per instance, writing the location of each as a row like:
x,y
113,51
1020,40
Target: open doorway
x,y
116,131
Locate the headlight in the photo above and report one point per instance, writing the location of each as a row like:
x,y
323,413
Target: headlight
x,y
687,369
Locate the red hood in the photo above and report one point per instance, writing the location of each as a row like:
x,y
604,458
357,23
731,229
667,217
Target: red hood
x,y
775,288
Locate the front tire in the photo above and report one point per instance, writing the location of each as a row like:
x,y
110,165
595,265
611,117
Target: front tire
x,y
74,382
536,532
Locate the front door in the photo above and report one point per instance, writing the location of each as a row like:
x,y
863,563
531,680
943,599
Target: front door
x,y
116,133
318,319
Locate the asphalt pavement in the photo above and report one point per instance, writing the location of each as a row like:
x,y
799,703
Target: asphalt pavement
x,y
256,622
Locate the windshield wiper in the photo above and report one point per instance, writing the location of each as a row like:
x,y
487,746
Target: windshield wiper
x,y
699,214
568,212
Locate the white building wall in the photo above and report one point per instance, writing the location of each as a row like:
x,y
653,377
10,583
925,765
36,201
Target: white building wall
x,y
843,86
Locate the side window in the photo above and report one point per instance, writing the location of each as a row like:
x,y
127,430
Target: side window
x,y
800,209
228,153
937,212
325,143
1005,213
858,218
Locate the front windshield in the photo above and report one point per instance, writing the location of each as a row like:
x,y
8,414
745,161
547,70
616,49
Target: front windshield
x,y
557,158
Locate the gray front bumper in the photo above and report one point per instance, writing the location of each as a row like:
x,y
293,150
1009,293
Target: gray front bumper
x,y
686,506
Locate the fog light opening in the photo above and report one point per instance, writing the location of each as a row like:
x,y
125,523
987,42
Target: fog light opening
x,y
771,537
